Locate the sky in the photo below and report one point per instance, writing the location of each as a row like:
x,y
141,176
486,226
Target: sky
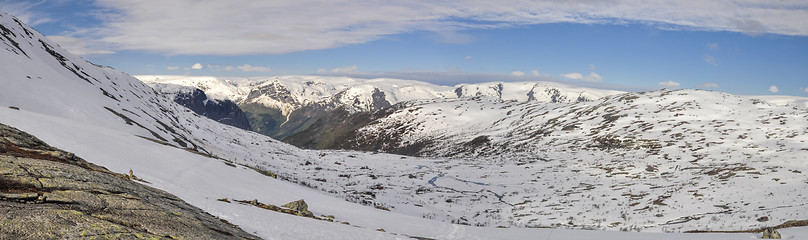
x,y
741,47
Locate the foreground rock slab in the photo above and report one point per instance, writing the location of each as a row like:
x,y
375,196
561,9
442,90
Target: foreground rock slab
x,y
46,193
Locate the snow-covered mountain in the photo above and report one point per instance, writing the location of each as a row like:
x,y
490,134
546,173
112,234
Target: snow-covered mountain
x,y
666,157
223,111
285,105
116,121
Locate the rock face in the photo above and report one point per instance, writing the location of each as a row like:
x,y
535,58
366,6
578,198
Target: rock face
x,y
46,193
223,111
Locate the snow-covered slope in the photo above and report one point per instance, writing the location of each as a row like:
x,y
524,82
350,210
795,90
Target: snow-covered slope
x,y
790,101
116,121
668,160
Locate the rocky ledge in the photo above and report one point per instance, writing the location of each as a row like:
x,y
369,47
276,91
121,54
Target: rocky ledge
x,y
46,193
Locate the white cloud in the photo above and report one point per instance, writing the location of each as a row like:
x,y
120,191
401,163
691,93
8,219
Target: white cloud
x,y
535,72
346,69
468,58
709,85
197,66
23,10
592,77
669,84
574,76
518,73
172,67
229,68
711,60
806,90
250,68
77,46
773,89
713,46
237,27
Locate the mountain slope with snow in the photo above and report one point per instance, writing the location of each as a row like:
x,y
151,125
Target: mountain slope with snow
x,y
667,159
285,105
116,121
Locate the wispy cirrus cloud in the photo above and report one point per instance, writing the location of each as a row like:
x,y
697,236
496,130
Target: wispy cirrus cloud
x,y
245,27
711,60
79,46
23,10
339,70
251,68
592,77
669,84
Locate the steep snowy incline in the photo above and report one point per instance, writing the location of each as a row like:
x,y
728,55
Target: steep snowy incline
x,y
40,77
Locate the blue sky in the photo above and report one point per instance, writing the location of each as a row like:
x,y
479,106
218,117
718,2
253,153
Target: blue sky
x,y
741,47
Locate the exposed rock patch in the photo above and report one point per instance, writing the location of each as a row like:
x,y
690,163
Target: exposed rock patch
x,y
771,233
300,207
46,193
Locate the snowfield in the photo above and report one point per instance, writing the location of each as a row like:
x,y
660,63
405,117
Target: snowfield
x,y
663,160
116,121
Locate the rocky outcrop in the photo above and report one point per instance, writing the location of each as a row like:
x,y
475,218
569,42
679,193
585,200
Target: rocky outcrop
x,y
46,193
300,207
223,111
771,233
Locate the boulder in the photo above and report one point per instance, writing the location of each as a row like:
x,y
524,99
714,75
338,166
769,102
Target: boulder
x,y
300,207
771,233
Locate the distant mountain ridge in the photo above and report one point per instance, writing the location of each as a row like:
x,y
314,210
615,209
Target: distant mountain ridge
x,y
285,105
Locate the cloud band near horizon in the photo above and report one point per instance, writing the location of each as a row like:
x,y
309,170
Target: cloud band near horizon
x,y
245,27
